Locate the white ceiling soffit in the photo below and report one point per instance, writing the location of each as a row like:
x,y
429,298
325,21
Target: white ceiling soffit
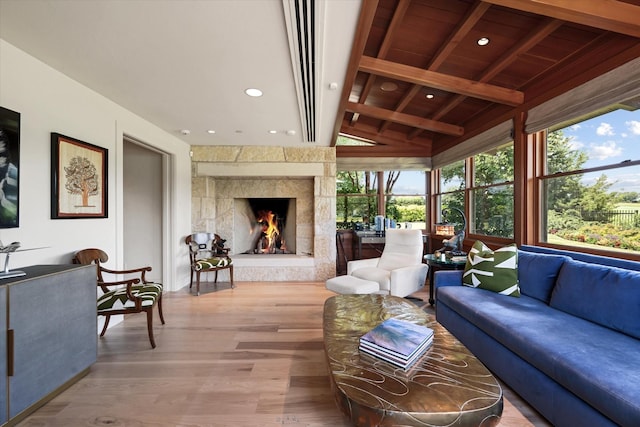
x,y
184,64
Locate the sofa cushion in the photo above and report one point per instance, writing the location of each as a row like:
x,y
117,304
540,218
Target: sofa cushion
x,y
608,296
591,361
537,273
495,271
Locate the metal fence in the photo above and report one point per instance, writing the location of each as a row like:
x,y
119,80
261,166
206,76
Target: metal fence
x,y
621,218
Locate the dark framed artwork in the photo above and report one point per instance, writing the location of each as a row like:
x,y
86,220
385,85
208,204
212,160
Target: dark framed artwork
x,y
78,179
9,168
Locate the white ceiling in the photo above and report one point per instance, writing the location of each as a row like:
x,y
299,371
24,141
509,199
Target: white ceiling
x,y
184,64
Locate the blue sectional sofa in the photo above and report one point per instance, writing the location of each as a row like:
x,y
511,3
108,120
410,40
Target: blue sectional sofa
x,y
569,345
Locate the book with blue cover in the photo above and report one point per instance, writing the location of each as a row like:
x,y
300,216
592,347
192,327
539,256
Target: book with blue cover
x,y
397,341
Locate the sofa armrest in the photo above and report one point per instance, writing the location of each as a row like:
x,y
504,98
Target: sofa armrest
x,y
447,278
361,263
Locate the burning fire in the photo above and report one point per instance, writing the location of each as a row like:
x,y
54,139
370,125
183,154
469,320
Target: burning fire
x,y
270,240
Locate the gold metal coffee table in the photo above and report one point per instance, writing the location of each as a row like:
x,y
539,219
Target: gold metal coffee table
x,y
447,386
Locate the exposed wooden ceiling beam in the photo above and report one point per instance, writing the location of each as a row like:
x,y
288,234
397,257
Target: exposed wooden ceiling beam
x,y
405,119
529,41
389,138
467,23
610,15
365,20
398,15
382,151
441,81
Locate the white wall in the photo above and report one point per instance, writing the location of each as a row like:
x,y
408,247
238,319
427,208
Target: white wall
x,y
49,101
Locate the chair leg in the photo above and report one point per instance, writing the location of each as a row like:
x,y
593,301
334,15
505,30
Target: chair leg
x,y
191,279
150,326
107,317
198,282
231,276
160,309
215,278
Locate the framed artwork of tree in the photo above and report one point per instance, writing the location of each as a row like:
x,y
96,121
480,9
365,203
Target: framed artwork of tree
x,y
78,179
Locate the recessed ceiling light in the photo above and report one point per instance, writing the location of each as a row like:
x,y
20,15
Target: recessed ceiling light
x,y
185,131
211,131
388,86
291,132
253,92
429,96
483,41
273,131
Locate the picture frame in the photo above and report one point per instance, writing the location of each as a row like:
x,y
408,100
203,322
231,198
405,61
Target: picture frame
x,y
9,168
78,179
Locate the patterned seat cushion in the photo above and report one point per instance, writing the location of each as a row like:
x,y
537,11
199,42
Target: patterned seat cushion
x,y
117,299
213,262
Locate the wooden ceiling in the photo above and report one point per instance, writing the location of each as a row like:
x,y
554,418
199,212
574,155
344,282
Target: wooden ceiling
x,y
537,50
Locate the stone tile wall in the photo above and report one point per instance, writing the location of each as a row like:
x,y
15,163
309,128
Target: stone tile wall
x,y
220,174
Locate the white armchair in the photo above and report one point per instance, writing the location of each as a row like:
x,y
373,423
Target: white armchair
x,y
399,270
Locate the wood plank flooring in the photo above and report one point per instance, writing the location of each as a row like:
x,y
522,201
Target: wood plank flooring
x,y
248,356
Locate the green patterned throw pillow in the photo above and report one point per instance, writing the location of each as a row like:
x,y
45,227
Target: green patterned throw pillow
x,y
495,271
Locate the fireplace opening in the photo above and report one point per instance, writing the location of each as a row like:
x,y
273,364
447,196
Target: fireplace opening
x,y
271,226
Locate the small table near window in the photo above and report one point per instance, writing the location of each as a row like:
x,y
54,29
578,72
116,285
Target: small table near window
x,y
441,263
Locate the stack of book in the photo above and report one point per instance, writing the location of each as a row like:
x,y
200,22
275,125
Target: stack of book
x,y
397,341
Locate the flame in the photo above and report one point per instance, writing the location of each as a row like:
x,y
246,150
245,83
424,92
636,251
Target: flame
x,y
270,231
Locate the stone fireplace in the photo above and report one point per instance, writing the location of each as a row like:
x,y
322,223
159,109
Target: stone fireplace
x,y
231,183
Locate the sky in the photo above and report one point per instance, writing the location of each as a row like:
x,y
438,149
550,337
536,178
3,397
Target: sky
x,y
610,139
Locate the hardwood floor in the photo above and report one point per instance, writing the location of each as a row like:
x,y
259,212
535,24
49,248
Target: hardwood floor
x,y
249,356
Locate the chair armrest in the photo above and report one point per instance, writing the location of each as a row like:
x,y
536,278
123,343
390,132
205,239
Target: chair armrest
x,y
128,282
142,271
447,278
361,263
407,280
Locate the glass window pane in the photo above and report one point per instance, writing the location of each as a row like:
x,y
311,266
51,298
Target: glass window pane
x,y
605,139
493,211
494,167
407,211
594,210
351,210
451,200
405,182
452,177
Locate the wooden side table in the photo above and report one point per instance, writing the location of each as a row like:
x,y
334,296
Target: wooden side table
x,y
438,263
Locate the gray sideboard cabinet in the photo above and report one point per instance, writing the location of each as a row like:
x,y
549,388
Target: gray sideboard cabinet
x,y
50,323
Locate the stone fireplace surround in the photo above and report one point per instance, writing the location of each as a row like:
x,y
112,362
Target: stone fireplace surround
x,y
222,174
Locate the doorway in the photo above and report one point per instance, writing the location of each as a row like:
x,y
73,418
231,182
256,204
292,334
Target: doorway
x,y
143,208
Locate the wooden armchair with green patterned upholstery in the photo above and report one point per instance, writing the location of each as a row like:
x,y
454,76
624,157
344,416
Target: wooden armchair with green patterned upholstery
x,y
207,253
131,294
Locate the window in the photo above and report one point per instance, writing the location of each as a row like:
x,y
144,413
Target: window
x,y
357,198
356,201
451,187
591,185
405,198
490,191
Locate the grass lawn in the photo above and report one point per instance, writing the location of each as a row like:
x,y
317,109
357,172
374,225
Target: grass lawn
x,y
628,207
557,240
